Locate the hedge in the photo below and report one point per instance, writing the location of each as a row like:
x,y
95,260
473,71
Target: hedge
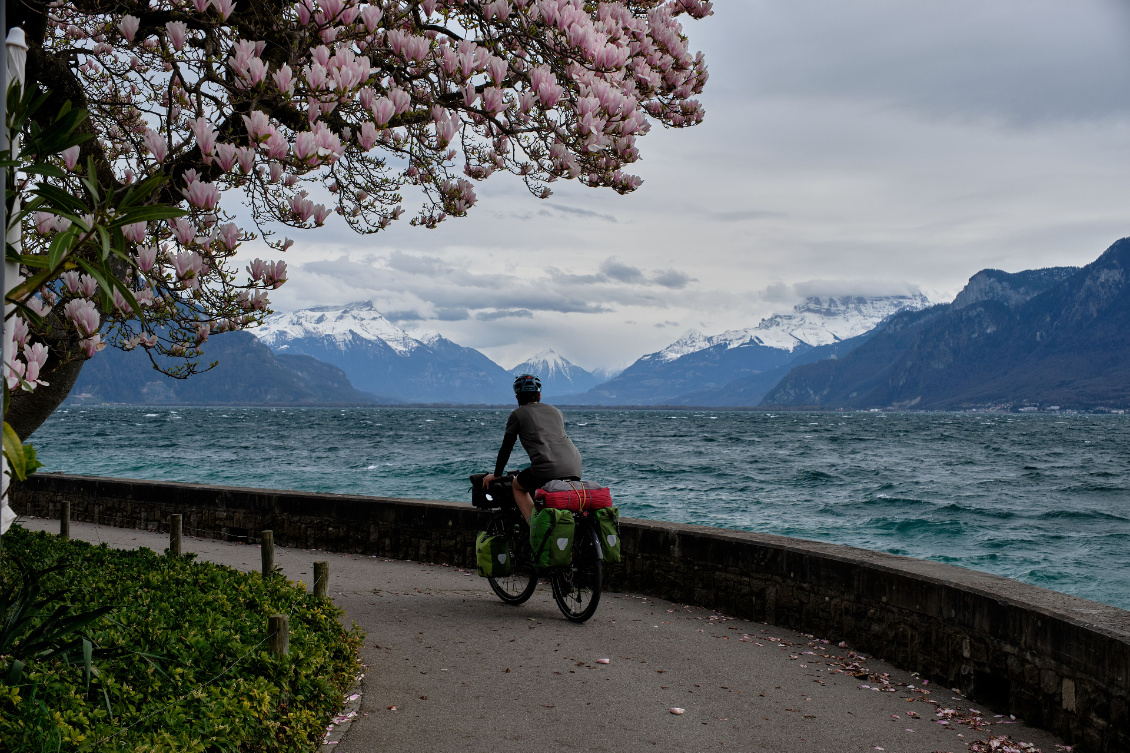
x,y
181,663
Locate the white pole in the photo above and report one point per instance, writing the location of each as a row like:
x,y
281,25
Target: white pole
x,y
14,70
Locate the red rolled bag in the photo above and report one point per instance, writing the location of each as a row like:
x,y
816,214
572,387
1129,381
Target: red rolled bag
x,y
573,496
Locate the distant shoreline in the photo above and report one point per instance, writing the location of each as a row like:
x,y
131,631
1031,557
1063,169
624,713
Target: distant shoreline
x,y
1098,411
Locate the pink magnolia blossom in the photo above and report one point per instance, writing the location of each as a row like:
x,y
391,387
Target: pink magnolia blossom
x,y
120,302
223,7
274,273
255,269
155,144
226,156
144,297
92,345
147,340
134,232
14,371
35,356
205,134
177,32
301,206
306,147
87,286
39,306
188,265
321,212
371,16
128,26
368,136
400,99
20,331
183,230
246,157
202,195
383,110
228,234
492,100
84,315
44,223
258,125
146,255
70,157
284,79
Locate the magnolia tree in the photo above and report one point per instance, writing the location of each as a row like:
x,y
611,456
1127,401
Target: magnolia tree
x,y
301,110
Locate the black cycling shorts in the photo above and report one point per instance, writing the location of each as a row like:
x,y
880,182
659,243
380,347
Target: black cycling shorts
x,y
530,481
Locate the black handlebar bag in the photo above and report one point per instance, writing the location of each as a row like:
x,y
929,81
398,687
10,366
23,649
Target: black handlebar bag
x,y
499,494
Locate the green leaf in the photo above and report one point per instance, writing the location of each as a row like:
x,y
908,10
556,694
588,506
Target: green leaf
x,y
15,672
105,238
60,199
14,452
44,169
147,214
87,650
140,191
61,246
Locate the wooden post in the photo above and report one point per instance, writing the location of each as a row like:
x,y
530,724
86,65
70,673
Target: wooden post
x,y
65,520
175,529
321,579
278,626
268,547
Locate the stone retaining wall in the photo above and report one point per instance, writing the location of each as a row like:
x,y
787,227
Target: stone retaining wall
x,y
1056,661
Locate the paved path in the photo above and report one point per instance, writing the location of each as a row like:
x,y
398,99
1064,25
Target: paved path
x,y
450,668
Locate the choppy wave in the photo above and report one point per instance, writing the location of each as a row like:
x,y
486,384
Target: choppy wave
x,y
1044,499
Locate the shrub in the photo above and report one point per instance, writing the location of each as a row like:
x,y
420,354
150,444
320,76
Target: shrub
x,y
180,663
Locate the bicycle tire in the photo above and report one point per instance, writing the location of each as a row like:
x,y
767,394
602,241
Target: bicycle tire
x,y
519,586
577,588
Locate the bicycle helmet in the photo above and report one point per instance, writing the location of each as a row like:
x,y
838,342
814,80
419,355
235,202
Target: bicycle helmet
x,y
527,383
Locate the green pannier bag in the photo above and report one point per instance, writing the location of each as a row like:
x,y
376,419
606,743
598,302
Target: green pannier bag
x,y
492,554
551,537
608,522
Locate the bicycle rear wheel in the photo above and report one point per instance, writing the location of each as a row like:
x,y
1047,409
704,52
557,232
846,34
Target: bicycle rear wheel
x,y
577,588
520,584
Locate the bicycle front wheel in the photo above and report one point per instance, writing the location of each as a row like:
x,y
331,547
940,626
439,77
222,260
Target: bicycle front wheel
x,y
577,588
519,585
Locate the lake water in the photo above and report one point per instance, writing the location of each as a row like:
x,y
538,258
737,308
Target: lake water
x,y
1043,499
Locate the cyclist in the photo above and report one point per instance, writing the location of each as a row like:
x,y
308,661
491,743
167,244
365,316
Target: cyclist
x,y
542,431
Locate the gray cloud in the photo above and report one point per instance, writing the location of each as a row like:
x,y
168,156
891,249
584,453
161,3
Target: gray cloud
x,y
578,212
617,270
1020,61
431,266
490,316
744,215
672,278
781,292
398,317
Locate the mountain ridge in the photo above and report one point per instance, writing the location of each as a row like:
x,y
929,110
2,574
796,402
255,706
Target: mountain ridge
x,y
1042,337
715,365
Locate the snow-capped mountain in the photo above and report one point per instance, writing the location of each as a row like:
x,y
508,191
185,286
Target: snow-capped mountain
x,y
558,375
813,322
341,324
709,367
381,358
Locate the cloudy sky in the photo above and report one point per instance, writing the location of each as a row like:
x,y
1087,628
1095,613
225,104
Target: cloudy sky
x,y
870,146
